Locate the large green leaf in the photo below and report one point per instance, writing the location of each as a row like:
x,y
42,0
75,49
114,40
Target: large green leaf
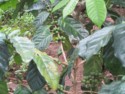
x,y
119,2
92,44
73,28
96,10
96,65
47,68
35,80
119,42
39,5
42,38
114,88
21,6
42,4
61,4
52,1
67,71
41,18
3,88
24,47
4,56
13,33
69,8
2,36
2,1
22,90
110,61
9,4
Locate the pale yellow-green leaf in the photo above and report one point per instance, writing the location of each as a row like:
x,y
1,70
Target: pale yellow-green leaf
x,y
52,1
47,68
96,10
69,7
60,5
24,47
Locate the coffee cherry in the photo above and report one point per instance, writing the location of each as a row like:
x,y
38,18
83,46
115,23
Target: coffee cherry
x,y
87,82
83,80
49,10
63,41
58,28
56,32
55,17
55,29
52,22
55,22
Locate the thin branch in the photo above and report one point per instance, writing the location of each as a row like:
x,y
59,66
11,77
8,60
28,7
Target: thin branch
x,y
93,92
82,62
67,92
63,53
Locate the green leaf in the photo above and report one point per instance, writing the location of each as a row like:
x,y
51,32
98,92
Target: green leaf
x,y
4,56
73,29
13,33
67,45
52,1
3,88
69,8
47,68
35,80
60,92
42,38
114,88
120,20
61,4
96,65
96,10
92,44
22,90
67,71
19,7
9,4
110,61
1,1
41,91
24,47
119,42
2,36
108,3
17,59
118,2
41,18
39,5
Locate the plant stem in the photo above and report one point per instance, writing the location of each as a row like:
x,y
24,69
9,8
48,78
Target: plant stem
x,y
63,53
67,92
92,92
75,76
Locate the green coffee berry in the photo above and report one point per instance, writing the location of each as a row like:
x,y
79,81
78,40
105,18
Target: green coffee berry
x,y
56,31
55,17
63,41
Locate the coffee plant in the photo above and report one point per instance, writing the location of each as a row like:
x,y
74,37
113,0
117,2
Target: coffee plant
x,y
28,27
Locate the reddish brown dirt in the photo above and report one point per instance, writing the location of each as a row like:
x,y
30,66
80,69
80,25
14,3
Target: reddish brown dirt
x,y
52,51
119,10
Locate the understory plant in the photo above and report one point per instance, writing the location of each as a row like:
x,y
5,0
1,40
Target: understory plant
x,y
35,24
